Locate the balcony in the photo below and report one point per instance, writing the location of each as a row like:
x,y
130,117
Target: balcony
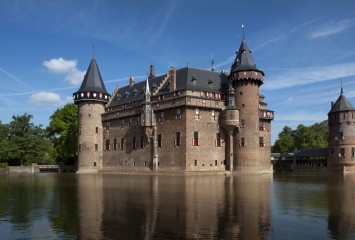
x,y
266,114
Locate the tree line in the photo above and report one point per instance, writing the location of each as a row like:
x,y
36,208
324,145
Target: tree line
x,y
303,137
24,143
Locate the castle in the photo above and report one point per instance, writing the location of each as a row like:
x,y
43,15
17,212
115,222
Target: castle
x,y
186,120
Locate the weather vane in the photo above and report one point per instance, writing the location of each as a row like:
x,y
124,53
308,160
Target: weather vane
x,y
243,31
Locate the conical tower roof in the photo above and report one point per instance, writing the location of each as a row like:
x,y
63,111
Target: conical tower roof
x,y
244,60
93,81
92,87
342,104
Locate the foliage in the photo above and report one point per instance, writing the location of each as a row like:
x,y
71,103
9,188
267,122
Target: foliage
x,y
3,165
62,130
314,136
22,142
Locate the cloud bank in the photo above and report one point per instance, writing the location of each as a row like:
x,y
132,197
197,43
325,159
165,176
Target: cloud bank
x,y
47,99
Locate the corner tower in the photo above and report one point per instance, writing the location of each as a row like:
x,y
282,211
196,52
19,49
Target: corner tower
x,y
252,145
91,99
341,121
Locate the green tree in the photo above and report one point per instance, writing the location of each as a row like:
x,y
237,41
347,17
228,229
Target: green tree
x,y
25,143
314,136
285,141
63,129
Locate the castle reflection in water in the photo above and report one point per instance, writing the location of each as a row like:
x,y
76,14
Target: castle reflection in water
x,y
206,207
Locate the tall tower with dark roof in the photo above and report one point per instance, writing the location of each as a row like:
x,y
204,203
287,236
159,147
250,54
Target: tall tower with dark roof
x,y
252,145
341,121
91,99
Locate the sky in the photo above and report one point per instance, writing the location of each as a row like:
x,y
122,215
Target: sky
x,y
306,49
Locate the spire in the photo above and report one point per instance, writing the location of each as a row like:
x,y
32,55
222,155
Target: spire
x,y
243,32
244,60
147,91
341,86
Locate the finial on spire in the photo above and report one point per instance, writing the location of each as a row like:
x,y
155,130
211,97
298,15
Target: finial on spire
x,y
93,51
212,63
243,31
341,86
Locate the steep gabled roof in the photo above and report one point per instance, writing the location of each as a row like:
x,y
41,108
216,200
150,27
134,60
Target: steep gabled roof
x,y
186,78
244,60
342,104
93,81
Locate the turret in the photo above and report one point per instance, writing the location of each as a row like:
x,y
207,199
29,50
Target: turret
x,y
91,99
341,121
251,152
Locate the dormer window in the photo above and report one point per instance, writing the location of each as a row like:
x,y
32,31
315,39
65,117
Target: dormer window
x,y
210,81
193,79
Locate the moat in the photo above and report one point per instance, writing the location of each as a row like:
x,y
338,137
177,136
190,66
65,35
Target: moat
x,y
110,206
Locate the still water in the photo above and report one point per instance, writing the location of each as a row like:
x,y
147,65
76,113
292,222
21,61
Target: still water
x,y
70,206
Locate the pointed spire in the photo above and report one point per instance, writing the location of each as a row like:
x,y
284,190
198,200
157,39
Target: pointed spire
x,y
93,81
244,60
147,90
243,31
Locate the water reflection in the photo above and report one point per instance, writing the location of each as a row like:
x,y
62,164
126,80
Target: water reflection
x,y
162,207
69,206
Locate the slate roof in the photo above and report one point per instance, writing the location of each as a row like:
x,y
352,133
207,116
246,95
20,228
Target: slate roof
x,y
186,78
312,152
342,104
93,81
244,60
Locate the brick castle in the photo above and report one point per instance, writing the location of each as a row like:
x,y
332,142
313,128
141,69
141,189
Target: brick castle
x,y
186,120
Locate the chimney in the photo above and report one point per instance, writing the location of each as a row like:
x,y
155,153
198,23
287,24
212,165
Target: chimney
x,y
152,71
131,81
172,80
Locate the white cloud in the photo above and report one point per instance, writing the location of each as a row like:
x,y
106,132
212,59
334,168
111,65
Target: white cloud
x,y
331,28
304,76
60,65
45,99
68,67
302,116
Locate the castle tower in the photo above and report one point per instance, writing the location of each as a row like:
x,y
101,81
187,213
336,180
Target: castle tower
x,y
341,121
91,99
248,141
229,121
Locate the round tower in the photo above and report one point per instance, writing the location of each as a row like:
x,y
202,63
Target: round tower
x,y
341,121
91,99
249,143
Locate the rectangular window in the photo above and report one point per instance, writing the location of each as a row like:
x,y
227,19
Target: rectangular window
x,y
107,145
115,144
342,152
97,129
122,123
262,126
178,139
218,141
122,144
96,147
178,114
108,126
160,143
353,152
261,142
213,116
215,162
195,163
341,136
142,141
197,113
242,142
134,143
242,123
195,140
161,117
138,121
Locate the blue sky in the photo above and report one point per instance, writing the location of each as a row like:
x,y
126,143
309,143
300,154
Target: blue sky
x,y
304,48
